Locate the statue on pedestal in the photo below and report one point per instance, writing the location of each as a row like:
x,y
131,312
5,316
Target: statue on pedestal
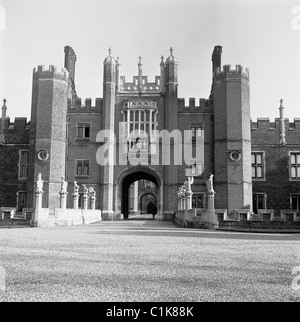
x,y
188,185
76,189
64,186
92,193
85,191
39,183
209,184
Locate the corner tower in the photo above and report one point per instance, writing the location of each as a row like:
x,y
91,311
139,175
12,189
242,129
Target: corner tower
x,y
48,131
232,138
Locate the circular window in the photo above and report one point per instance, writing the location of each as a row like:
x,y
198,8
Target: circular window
x,y
43,155
235,156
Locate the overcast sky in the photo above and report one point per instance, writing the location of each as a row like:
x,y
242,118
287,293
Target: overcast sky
x,y
262,35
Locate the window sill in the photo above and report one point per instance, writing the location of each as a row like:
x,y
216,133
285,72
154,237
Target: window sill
x,y
83,139
23,179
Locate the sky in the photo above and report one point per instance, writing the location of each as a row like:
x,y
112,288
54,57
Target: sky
x,y
262,35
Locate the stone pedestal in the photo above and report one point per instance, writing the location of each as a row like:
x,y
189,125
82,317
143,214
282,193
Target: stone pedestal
x,y
185,203
38,200
37,208
85,202
209,219
63,200
75,201
189,201
179,204
182,204
93,203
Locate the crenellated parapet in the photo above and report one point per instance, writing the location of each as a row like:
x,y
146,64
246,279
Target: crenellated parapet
x,y
143,86
228,73
263,131
52,72
201,106
20,124
85,106
264,124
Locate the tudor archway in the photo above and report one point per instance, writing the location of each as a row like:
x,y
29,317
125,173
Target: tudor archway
x,y
127,178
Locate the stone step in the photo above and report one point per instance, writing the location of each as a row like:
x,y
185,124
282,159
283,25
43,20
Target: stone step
x,y
14,223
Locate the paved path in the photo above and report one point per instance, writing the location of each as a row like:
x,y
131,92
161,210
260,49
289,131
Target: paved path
x,y
146,260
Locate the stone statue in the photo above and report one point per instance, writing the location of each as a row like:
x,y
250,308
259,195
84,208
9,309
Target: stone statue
x,y
209,184
76,188
64,185
183,191
188,184
92,193
39,183
85,191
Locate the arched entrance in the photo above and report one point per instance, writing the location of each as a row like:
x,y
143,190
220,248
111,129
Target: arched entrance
x,y
127,178
147,201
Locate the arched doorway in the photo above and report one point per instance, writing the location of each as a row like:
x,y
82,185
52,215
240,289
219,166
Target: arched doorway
x,y
131,175
147,201
150,207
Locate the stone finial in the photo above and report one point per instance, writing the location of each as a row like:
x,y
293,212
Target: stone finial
x,y
282,137
4,102
109,51
281,101
140,60
171,51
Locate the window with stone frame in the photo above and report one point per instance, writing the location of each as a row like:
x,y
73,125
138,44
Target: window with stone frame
x,y
198,200
82,167
295,201
258,166
196,130
259,201
24,164
83,131
295,165
196,169
140,123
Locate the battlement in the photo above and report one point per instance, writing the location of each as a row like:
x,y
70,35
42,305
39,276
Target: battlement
x,y
264,124
41,72
228,72
20,124
135,87
265,132
87,107
203,104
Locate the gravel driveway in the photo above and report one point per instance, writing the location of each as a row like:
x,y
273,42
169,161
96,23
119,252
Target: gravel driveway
x,y
146,260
